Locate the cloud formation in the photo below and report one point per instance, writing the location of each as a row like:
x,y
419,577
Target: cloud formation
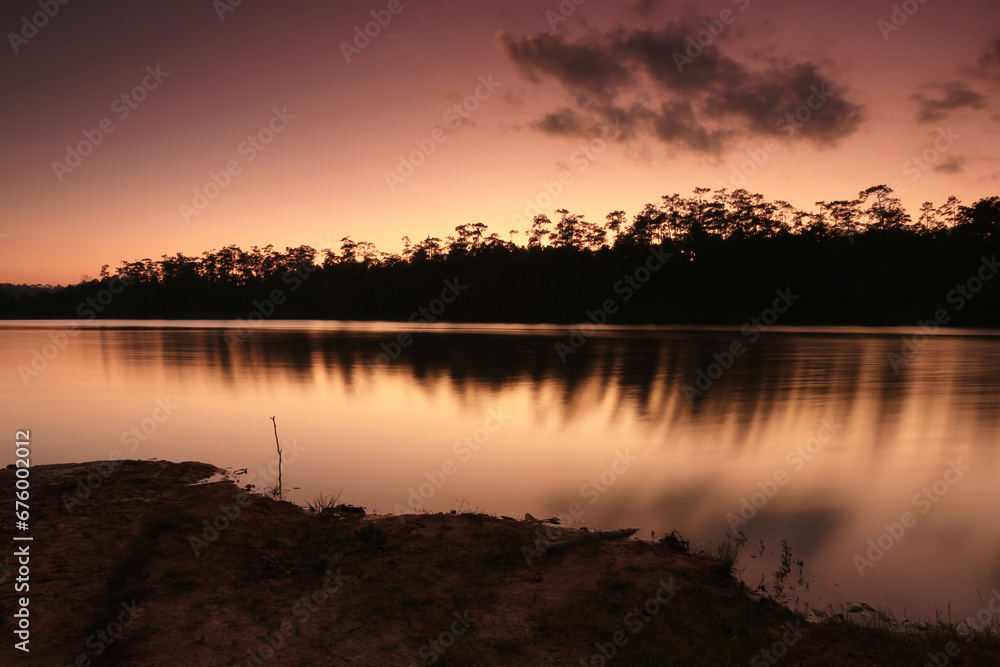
x,y
988,65
952,165
583,68
565,122
971,87
956,95
675,85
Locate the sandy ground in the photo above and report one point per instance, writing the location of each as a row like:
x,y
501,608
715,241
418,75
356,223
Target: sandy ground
x,y
132,563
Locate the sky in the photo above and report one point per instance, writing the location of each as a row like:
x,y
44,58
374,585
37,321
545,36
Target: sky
x,y
133,130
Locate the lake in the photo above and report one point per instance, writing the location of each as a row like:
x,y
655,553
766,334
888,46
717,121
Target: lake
x,y
879,465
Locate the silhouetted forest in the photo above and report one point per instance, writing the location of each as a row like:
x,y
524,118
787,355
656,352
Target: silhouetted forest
x,y
717,257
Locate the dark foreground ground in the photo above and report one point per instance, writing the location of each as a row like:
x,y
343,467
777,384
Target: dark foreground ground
x,y
136,574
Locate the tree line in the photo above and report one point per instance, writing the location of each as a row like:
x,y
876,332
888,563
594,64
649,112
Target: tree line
x,y
859,261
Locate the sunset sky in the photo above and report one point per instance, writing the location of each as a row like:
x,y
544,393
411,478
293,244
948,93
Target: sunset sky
x,y
157,97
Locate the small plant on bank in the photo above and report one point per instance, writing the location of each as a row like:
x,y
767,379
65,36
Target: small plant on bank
x,y
784,568
273,491
728,553
675,542
324,503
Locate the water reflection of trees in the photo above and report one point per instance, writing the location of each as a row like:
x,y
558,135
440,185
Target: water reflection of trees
x,y
638,375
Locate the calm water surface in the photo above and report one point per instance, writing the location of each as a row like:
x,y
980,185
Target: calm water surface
x,y
809,436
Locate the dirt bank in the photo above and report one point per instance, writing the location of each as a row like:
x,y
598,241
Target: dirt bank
x,y
148,568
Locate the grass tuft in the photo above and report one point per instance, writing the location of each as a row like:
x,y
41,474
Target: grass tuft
x,y
324,503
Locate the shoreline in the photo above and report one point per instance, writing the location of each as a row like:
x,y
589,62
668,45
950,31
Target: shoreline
x,y
153,567
475,326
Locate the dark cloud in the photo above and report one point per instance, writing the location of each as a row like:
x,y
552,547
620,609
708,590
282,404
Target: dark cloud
x,y
955,96
663,55
565,122
796,96
595,120
582,67
677,123
988,64
952,165
684,94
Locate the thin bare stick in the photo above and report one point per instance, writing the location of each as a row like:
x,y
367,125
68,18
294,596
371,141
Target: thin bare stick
x,y
278,447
